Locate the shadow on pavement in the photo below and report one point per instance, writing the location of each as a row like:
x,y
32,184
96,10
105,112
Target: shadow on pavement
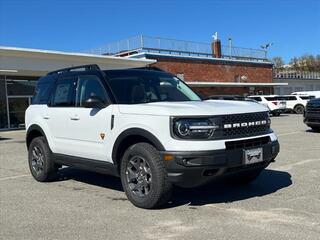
x,y
91,178
312,131
268,182
4,138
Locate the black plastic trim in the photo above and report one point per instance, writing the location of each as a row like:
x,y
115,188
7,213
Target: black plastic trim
x,y
87,67
86,164
34,127
135,132
194,168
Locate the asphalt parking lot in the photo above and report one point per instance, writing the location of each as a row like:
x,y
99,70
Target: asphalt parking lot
x,y
283,203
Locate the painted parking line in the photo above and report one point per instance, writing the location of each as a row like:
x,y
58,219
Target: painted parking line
x,y
14,177
290,133
292,165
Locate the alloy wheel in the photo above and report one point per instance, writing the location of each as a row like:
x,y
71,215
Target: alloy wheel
x,y
138,175
37,161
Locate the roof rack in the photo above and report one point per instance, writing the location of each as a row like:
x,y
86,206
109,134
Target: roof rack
x,y
85,67
150,68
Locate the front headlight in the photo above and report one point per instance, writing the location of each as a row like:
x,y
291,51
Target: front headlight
x,y
189,128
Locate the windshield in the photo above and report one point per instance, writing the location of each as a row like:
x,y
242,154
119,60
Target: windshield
x,y
132,87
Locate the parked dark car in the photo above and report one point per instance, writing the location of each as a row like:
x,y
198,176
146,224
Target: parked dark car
x,y
312,114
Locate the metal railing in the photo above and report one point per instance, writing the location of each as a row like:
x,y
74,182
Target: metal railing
x,y
142,43
292,74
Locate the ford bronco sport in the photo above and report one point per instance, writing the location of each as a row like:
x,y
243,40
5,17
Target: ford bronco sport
x,y
146,126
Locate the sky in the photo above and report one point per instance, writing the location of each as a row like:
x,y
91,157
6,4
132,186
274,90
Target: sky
x,y
69,25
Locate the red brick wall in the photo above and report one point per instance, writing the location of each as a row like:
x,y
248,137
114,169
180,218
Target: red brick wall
x,y
217,71
209,91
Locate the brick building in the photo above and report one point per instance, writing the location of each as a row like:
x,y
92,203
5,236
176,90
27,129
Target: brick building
x,y
218,76
210,69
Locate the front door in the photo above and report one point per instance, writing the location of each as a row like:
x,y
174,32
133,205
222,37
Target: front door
x,y
90,127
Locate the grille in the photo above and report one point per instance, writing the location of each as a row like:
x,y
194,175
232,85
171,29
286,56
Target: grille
x,y
245,118
248,143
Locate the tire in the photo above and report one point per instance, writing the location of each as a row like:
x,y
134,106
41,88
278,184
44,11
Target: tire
x,y
316,129
276,114
298,109
244,178
41,165
144,177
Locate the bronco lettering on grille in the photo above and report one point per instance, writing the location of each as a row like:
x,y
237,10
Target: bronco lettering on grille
x,y
245,124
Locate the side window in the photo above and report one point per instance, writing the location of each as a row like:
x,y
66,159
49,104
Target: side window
x,y
64,94
89,86
256,98
42,93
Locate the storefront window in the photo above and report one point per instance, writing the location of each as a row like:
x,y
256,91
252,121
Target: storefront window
x,y
20,87
3,105
17,108
15,97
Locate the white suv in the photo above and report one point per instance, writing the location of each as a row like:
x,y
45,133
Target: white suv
x,y
275,106
296,103
146,126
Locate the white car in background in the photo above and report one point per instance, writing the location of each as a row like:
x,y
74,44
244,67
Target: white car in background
x,y
316,94
296,103
276,106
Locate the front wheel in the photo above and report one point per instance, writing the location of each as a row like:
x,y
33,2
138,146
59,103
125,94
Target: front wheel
x,y
276,114
144,177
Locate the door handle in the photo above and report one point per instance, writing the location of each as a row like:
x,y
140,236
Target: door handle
x,y
46,117
75,118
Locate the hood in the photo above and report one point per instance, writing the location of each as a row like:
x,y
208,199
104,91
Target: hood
x,y
193,108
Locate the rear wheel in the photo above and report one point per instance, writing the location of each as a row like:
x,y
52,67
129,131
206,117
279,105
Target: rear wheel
x,y
144,177
41,165
299,109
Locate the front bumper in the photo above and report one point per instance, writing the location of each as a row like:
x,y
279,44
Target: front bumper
x,y
312,119
190,169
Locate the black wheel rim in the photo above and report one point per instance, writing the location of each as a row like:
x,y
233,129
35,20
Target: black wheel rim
x,y
139,177
299,109
37,160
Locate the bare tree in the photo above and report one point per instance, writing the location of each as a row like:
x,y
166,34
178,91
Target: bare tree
x,y
277,62
306,63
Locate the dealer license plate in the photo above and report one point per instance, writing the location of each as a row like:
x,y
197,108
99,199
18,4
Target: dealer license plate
x,y
253,156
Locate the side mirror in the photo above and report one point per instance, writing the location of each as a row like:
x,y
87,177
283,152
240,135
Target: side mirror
x,y
94,102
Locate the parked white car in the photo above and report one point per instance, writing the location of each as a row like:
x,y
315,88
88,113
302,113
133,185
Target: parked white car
x,y
296,103
316,94
276,106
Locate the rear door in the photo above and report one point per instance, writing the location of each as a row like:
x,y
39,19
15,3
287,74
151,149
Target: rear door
x,y
58,113
90,127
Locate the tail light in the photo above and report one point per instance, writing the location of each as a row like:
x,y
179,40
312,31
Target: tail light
x,y
275,103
